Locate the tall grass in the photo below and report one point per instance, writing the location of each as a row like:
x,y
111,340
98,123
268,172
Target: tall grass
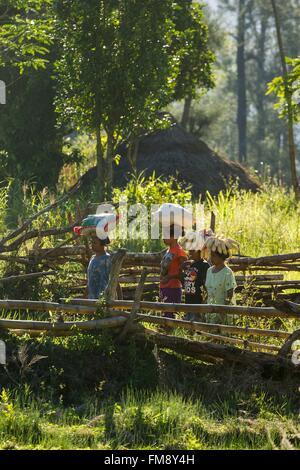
x,y
265,223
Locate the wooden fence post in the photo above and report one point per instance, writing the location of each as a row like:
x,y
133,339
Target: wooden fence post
x,y
117,261
136,305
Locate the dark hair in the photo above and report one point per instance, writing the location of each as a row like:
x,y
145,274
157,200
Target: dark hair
x,y
105,242
172,231
222,256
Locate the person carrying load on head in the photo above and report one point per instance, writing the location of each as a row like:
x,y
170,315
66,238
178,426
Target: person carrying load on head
x,y
173,218
96,228
171,268
220,281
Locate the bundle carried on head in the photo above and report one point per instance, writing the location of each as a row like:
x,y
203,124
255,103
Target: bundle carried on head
x,y
173,215
220,245
195,240
99,225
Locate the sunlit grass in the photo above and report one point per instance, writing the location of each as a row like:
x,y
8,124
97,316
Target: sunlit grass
x,y
144,420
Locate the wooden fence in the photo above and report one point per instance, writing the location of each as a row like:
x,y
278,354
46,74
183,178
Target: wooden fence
x,y
198,339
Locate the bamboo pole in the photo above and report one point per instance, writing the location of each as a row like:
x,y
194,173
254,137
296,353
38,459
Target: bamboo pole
x,y
277,283
33,325
43,306
136,271
241,280
69,328
135,258
38,333
259,277
268,312
245,343
278,268
267,263
265,259
197,327
90,307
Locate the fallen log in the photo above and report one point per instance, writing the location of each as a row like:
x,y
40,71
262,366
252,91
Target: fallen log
x,y
287,347
34,234
16,259
199,349
42,253
286,306
21,277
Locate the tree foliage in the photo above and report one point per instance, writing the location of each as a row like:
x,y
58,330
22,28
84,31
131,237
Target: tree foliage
x,y
26,32
190,43
123,61
278,86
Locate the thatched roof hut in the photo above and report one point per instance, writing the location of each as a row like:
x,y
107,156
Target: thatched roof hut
x,y
176,152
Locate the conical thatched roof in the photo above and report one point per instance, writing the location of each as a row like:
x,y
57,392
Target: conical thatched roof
x,y
176,152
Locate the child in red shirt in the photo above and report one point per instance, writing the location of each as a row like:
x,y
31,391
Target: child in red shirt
x,y
171,271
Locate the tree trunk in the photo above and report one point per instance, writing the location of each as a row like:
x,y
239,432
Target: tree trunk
x,y
261,85
132,153
288,97
186,112
241,79
100,166
109,166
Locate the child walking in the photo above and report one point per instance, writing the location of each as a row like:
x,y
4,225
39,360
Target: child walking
x,y
194,272
171,271
220,281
